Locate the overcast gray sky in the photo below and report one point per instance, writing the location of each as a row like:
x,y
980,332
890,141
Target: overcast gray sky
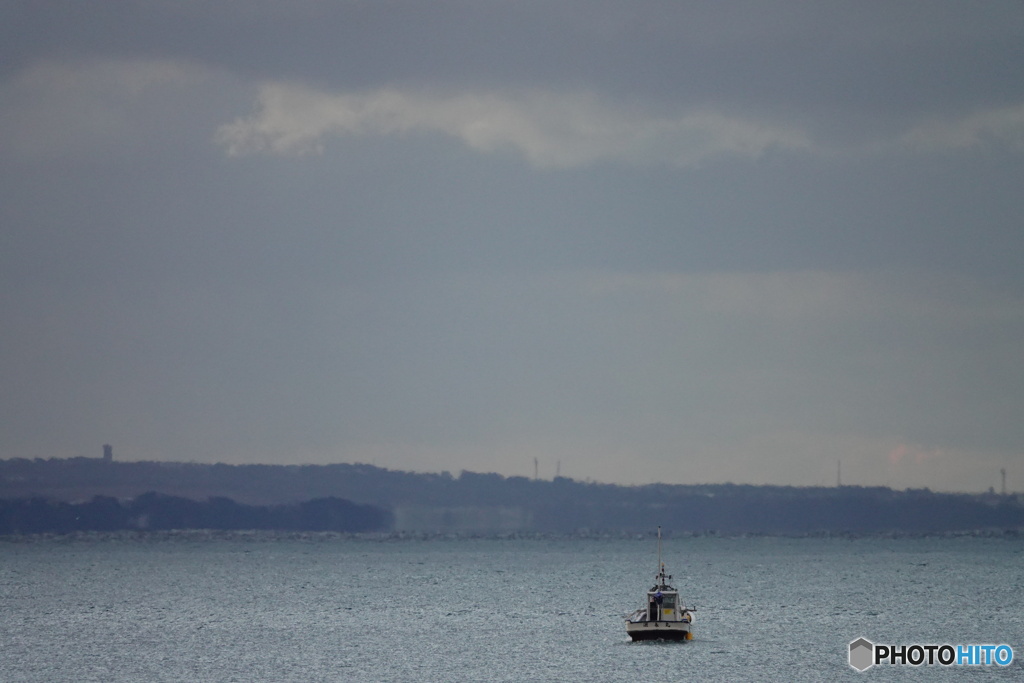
x,y
640,241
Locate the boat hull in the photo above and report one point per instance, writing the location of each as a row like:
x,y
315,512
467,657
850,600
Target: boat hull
x,y
659,630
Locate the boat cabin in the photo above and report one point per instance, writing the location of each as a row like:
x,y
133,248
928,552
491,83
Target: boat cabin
x,y
662,603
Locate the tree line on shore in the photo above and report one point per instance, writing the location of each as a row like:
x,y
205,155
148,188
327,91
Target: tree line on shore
x,y
156,512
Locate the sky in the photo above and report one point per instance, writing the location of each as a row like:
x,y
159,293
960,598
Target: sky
x,y
634,241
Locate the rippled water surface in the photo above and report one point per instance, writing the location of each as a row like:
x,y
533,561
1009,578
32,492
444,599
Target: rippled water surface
x,y
323,608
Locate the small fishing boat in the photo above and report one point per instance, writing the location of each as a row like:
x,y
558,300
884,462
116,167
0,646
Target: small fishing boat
x,y
664,617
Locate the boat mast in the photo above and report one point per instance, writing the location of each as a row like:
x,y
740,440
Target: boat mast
x,y
661,567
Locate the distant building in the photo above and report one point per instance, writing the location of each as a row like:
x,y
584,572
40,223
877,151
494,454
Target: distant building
x,y
108,452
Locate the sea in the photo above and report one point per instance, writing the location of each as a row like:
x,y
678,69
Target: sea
x,y
208,606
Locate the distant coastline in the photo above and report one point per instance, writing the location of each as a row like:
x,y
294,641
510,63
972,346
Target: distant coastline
x,y
290,498
273,536
156,512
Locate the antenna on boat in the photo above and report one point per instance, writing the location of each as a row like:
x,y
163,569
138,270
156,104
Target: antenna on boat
x,y
661,568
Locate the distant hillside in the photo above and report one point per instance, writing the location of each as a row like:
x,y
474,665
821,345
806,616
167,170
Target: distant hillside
x,y
475,502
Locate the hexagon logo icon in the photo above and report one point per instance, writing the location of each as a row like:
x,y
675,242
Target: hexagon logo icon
x,y
862,653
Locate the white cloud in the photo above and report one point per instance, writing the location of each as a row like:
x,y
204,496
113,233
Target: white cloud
x,y
563,130
52,109
1001,127
550,130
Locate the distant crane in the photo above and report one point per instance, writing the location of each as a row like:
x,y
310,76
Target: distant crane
x,y
1002,472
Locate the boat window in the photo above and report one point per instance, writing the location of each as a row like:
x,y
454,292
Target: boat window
x,y
668,602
